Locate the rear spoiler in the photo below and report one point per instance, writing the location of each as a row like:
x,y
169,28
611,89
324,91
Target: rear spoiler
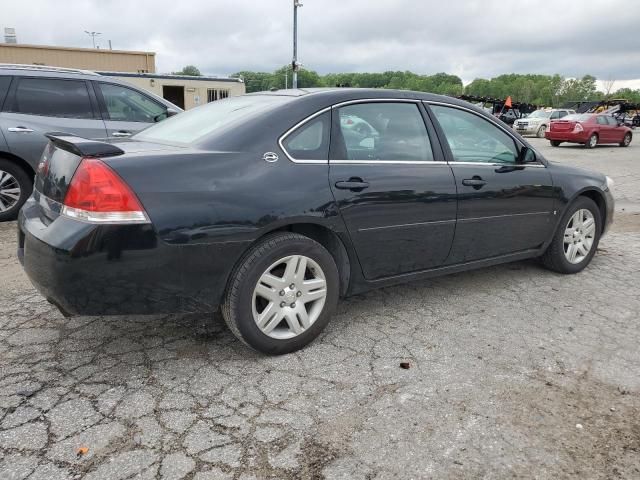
x,y
83,147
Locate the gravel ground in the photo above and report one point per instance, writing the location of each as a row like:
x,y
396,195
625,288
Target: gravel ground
x,y
515,372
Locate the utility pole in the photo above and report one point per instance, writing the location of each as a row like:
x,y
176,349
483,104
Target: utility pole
x,y
93,36
294,64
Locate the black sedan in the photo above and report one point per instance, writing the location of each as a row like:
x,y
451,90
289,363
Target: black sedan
x,y
271,206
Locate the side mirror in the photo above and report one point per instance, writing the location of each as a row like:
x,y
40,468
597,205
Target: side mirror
x,y
171,112
526,155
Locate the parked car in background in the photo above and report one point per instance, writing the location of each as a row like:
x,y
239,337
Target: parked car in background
x,y
35,100
258,204
589,129
538,122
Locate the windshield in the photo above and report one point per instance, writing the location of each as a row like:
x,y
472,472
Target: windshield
x,y
540,114
191,126
578,117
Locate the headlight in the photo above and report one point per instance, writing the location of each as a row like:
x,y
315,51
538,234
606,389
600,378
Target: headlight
x,y
610,183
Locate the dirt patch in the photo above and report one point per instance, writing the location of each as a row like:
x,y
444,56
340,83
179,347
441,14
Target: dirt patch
x,y
578,427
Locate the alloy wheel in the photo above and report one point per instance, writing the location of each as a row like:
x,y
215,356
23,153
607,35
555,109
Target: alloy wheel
x,y
627,140
593,141
9,191
289,297
579,235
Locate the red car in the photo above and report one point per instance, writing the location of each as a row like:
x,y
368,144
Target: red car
x,y
589,129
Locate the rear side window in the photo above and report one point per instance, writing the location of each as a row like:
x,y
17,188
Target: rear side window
x,y
127,105
311,140
382,131
4,88
52,98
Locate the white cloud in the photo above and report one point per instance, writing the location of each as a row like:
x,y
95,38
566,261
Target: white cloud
x,y
471,38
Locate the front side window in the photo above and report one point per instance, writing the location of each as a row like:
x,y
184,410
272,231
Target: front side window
x,y
52,98
127,105
383,131
601,120
311,140
474,139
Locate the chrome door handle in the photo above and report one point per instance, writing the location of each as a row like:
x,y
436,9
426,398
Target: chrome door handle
x,y
355,184
19,129
475,182
121,133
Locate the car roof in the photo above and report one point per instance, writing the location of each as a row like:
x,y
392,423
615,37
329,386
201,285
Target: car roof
x,y
348,93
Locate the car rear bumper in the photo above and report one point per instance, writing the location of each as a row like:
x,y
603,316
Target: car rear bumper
x,y
566,136
87,269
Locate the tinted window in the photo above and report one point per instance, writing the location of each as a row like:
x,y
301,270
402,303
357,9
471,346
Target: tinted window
x,y
4,87
601,120
612,121
53,98
125,104
311,140
195,124
474,139
383,131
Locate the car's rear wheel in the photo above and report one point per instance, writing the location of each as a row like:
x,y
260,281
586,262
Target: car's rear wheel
x,y
626,140
555,143
576,240
15,188
592,142
541,131
282,293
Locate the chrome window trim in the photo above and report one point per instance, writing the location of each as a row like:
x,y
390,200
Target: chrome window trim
x,y
386,162
284,136
505,129
514,165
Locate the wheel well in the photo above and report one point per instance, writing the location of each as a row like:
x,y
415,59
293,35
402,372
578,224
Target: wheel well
x,y
331,242
20,162
599,200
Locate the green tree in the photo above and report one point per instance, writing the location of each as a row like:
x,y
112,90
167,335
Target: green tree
x,y
190,70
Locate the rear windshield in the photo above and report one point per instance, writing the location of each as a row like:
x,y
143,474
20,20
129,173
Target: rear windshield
x,y
191,126
578,117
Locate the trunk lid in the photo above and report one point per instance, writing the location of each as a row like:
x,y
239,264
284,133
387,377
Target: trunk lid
x,y
562,125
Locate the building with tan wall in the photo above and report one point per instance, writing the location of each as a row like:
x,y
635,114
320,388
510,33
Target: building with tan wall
x,y
183,90
83,58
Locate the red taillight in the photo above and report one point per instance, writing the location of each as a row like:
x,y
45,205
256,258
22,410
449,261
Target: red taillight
x,y
97,194
578,128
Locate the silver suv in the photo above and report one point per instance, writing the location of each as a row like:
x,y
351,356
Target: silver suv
x,y
35,100
538,122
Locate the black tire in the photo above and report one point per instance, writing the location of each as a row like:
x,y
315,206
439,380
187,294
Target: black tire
x,y
626,141
554,257
555,143
541,131
590,143
237,304
25,183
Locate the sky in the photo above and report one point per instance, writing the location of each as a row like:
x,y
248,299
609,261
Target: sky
x,y
468,38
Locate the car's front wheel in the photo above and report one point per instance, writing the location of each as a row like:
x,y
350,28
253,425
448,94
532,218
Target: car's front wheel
x,y
541,131
626,140
576,240
15,188
282,293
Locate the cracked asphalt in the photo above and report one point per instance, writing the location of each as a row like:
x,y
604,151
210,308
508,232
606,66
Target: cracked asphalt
x,y
515,372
